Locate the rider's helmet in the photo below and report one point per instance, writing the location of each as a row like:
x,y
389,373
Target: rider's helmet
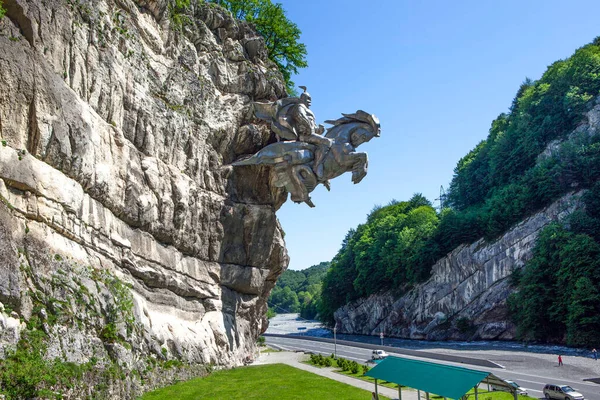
x,y
305,96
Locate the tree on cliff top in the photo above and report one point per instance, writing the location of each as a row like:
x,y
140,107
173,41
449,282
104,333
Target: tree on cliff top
x,y
281,35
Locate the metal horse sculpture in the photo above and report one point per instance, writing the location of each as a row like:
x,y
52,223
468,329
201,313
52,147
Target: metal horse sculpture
x,y
293,161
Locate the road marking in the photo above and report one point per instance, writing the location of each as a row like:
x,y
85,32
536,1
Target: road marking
x,y
506,372
577,383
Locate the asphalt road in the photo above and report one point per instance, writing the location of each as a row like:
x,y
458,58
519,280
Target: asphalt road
x,y
531,371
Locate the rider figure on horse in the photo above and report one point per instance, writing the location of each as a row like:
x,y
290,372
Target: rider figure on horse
x,y
306,129
301,157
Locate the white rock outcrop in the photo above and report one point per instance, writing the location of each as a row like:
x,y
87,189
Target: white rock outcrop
x,y
122,228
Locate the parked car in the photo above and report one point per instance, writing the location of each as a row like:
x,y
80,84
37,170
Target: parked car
x,y
561,392
379,354
514,384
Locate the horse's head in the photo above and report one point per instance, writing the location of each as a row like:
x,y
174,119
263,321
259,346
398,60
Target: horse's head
x,y
360,127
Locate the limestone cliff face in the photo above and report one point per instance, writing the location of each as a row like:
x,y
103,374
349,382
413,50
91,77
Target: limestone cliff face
x,y
122,229
465,298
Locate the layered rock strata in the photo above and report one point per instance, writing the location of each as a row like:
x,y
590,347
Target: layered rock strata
x,y
466,296
123,231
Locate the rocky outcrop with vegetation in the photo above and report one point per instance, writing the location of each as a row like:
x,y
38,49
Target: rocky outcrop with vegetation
x,y
130,253
417,272
466,296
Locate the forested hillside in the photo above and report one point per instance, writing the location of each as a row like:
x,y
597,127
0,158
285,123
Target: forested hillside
x,y
532,155
298,291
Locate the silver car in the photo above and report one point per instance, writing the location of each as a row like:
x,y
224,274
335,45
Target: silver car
x,y
561,392
515,385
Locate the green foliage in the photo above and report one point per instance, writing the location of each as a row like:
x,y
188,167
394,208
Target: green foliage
x,y
285,300
25,373
108,333
502,179
281,35
261,341
299,291
384,253
177,13
530,158
119,312
583,321
2,14
271,313
556,296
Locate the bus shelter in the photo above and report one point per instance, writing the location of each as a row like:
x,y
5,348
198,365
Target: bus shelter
x,y
443,380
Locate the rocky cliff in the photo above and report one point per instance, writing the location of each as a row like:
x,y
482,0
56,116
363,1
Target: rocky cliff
x,y
124,236
466,295
465,298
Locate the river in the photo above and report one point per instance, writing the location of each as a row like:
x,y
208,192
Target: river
x,y
293,324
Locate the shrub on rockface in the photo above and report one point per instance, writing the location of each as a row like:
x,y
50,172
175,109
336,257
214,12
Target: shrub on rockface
x,y
282,36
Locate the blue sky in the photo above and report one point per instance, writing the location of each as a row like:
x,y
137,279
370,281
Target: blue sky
x,y
436,73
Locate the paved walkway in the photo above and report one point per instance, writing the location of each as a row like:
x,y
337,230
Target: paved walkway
x,y
294,359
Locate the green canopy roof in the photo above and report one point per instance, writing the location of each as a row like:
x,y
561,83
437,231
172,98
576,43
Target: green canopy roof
x,y
440,379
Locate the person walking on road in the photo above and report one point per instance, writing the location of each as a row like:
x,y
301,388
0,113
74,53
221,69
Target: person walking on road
x,y
595,354
560,360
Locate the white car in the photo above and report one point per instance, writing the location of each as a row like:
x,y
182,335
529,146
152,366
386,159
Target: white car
x,y
514,384
379,354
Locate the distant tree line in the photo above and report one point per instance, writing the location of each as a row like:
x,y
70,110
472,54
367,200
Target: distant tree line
x,y
525,164
298,291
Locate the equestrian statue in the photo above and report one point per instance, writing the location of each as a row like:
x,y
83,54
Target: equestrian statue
x,y
302,157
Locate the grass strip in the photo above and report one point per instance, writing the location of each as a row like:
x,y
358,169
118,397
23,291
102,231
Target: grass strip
x,y
261,382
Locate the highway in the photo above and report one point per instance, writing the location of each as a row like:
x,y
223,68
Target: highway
x,y
531,371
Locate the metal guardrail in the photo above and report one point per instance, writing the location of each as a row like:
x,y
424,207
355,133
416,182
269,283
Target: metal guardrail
x,y
398,350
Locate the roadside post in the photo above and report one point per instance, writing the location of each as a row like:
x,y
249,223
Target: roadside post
x,y
381,337
334,342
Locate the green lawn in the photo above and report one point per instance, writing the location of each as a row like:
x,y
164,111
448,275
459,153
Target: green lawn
x,y
261,382
359,375
369,379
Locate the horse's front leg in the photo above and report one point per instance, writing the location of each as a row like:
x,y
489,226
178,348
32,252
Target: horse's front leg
x,y
359,166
